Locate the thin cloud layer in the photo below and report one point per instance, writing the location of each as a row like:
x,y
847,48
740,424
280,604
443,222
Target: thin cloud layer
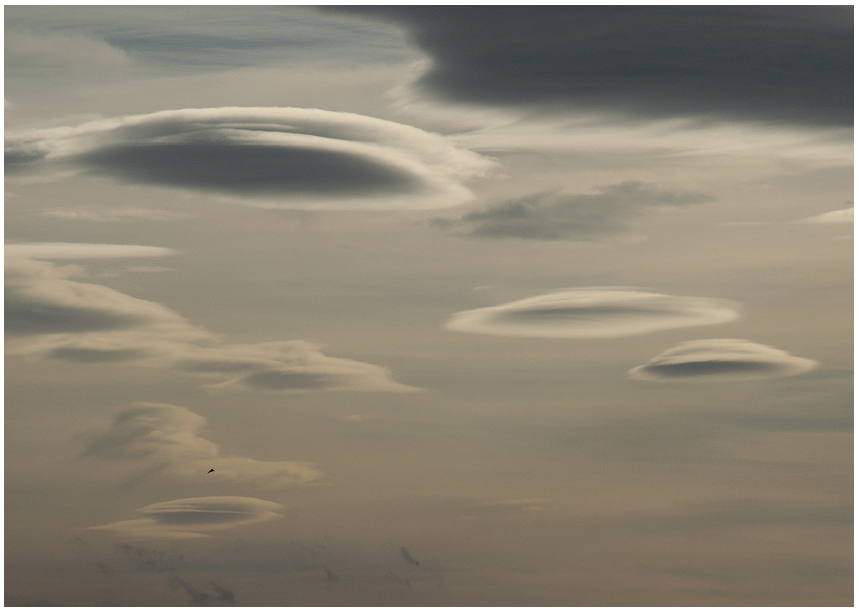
x,y
590,313
790,64
60,250
271,157
580,217
194,517
167,438
49,315
721,359
839,216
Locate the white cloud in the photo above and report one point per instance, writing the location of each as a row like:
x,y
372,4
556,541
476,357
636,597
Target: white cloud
x,y
839,216
589,313
114,215
59,250
721,359
194,517
168,439
51,316
271,157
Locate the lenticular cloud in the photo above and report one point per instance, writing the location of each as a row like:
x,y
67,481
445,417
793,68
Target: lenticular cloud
x,y
271,157
590,313
721,359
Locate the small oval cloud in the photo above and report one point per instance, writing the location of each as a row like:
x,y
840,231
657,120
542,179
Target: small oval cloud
x,y
721,359
194,517
589,313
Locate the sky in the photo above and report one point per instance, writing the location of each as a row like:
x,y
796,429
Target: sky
x,y
464,306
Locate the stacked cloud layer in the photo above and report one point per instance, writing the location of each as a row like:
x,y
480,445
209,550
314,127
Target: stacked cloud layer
x,y
590,313
51,316
721,359
272,157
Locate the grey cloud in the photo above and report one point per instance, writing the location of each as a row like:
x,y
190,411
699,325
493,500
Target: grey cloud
x,y
773,63
49,315
557,216
271,157
721,359
404,553
590,313
194,517
167,438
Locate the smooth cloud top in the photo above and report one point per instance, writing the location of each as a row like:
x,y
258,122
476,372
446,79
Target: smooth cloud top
x,y
589,313
271,157
168,439
721,359
194,517
839,216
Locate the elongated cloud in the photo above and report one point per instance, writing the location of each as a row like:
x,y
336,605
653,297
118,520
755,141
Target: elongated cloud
x,y
49,315
589,313
194,517
721,359
60,250
582,217
167,438
839,216
272,157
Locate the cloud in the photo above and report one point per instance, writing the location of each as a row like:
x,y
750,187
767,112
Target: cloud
x,y
404,553
839,216
581,217
60,52
59,250
271,157
721,359
115,215
199,597
194,517
51,316
167,439
774,63
590,313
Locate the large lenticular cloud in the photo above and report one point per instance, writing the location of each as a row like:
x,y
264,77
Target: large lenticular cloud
x,y
272,157
590,313
721,359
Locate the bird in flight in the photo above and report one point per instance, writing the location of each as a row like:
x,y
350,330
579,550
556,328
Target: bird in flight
x,y
210,471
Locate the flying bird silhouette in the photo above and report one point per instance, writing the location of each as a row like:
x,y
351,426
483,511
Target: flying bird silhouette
x,y
210,471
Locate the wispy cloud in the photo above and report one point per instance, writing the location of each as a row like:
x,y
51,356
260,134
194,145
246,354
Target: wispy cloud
x,y
721,359
593,313
839,216
272,157
59,250
51,316
194,517
557,216
167,439
113,215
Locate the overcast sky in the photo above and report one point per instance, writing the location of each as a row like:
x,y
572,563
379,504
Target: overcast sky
x,y
465,306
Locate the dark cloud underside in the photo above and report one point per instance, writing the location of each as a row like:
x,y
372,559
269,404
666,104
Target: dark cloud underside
x,y
710,368
248,169
772,63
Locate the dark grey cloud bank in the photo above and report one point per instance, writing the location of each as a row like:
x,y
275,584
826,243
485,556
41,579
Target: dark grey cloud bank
x,y
557,216
778,63
274,157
